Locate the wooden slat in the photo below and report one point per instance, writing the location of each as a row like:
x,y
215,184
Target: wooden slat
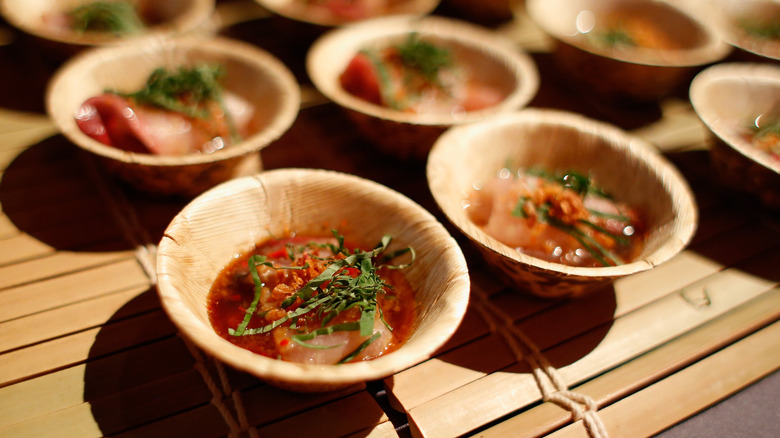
x,y
63,262
343,417
690,390
80,316
655,365
92,381
71,288
123,411
480,402
22,247
417,385
59,353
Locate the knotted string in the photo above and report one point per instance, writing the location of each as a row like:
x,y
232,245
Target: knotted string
x,y
550,382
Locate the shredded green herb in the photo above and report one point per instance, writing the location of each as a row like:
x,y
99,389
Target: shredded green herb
x,y
428,59
117,17
351,282
761,29
614,37
766,130
583,186
186,90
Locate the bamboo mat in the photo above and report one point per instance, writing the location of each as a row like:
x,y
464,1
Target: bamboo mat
x,y
86,350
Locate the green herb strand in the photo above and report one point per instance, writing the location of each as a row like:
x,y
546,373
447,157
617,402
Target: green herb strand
x,y
360,348
344,291
118,18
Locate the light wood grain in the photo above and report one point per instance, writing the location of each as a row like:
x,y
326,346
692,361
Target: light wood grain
x,y
70,288
467,407
690,390
647,368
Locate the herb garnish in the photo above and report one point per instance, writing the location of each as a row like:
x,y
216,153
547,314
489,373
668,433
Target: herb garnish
x,y
582,185
424,57
187,90
115,17
349,282
614,37
768,30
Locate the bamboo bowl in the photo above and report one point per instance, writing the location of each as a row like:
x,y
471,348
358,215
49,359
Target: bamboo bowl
x,y
251,73
236,215
625,166
635,73
406,135
172,17
309,12
729,16
729,99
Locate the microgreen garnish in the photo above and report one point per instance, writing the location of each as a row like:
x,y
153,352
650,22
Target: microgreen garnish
x,y
186,90
110,17
351,281
426,58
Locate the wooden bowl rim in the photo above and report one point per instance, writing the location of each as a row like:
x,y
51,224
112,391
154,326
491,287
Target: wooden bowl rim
x,y
744,72
289,9
199,12
685,208
354,36
457,284
257,58
722,21
713,49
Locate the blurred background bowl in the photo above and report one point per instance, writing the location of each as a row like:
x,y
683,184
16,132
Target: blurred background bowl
x,y
749,25
731,99
334,13
235,216
250,73
671,45
408,135
624,166
40,18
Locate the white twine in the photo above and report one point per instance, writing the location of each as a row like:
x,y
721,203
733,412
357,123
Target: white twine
x,y
552,386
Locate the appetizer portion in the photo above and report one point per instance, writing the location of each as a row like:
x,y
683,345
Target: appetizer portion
x,y
562,218
116,18
765,136
417,75
629,31
314,300
352,9
765,27
177,112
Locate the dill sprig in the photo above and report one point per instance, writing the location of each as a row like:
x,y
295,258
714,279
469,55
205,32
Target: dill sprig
x,y
350,282
115,17
428,59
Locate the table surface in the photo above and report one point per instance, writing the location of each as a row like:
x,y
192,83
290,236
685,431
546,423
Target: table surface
x,y
86,350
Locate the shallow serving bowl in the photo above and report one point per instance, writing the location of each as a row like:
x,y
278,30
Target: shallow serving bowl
x,y
624,166
316,13
739,23
172,17
407,135
678,44
730,98
236,215
251,73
